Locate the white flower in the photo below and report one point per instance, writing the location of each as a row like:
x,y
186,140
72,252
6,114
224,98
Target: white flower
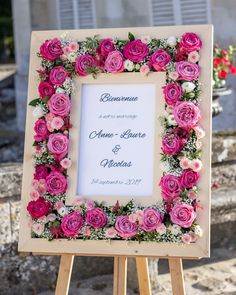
x,y
171,120
171,41
188,86
198,230
175,229
62,211
129,65
38,112
173,75
146,39
193,56
161,230
72,57
199,132
60,90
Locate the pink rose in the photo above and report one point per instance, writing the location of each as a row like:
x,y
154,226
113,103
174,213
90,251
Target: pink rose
x,y
186,238
58,144
186,114
57,123
187,70
106,46
83,63
135,50
160,59
172,93
71,224
58,75
114,62
189,178
65,163
73,46
41,172
110,233
182,215
96,217
170,187
41,130
51,49
171,144
144,70
125,228
38,208
152,219
56,183
45,89
190,42
59,104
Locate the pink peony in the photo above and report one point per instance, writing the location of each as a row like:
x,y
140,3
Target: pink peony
x,y
71,224
41,130
160,59
40,172
39,207
186,114
59,104
83,63
190,42
114,62
189,178
144,70
105,47
152,219
45,89
125,228
182,215
135,50
187,70
170,187
51,49
58,75
57,123
172,93
96,217
58,144
56,183
171,144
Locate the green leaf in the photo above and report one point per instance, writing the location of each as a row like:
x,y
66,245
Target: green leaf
x,y
131,37
34,102
35,143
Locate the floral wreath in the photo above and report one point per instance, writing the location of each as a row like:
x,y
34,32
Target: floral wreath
x,y
174,219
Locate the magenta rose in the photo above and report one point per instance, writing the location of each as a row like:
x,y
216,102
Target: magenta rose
x,y
38,208
125,228
58,144
186,114
106,46
40,172
171,144
71,224
172,93
83,63
56,183
189,178
187,70
190,42
59,104
96,217
114,62
51,49
45,89
58,75
135,51
182,215
152,218
170,187
40,128
159,60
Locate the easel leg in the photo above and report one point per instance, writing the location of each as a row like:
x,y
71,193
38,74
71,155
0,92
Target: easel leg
x,y
120,275
177,277
143,276
64,275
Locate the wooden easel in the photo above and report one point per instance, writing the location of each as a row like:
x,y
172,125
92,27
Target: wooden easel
x,y
120,275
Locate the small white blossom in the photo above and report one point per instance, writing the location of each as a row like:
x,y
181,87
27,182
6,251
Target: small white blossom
x,y
62,211
188,86
129,65
171,41
60,90
171,120
38,112
146,39
72,57
198,230
175,229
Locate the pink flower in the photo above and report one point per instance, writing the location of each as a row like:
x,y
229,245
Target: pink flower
x,y
184,163
171,144
79,201
173,75
42,219
105,47
51,217
40,186
189,178
59,104
186,114
58,205
125,228
57,123
152,218
37,228
133,217
135,50
74,47
34,195
200,133
192,195
172,93
86,231
161,229
51,49
170,187
182,215
114,62
56,183
193,56
41,130
63,57
83,63
38,208
58,144
187,70
71,224
45,89
186,238
160,59
196,165
58,75
144,70
110,233
65,163
190,42
66,50
41,172
96,217
89,204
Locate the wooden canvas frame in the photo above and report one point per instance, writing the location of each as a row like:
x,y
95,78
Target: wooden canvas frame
x,y
128,248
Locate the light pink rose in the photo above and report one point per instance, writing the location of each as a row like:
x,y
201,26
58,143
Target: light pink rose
x,y
186,114
58,75
161,229
37,228
135,50
189,178
58,144
125,228
40,186
170,187
65,163
34,195
45,89
159,60
196,165
192,195
71,224
58,205
83,63
114,62
182,215
73,46
96,217
51,217
173,75
79,201
190,42
200,133
57,123
59,104
51,49
41,130
110,233
89,204
193,56
56,183
172,93
184,163
86,231
186,238
152,219
144,70
106,46
171,144
187,70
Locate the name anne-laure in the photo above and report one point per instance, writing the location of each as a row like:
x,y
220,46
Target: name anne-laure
x,y
125,135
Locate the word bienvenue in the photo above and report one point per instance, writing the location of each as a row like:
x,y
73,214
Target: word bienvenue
x,y
107,97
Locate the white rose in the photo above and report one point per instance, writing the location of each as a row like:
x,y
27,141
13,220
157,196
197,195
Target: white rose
x,y
198,231
188,86
171,41
60,90
38,112
129,65
72,57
